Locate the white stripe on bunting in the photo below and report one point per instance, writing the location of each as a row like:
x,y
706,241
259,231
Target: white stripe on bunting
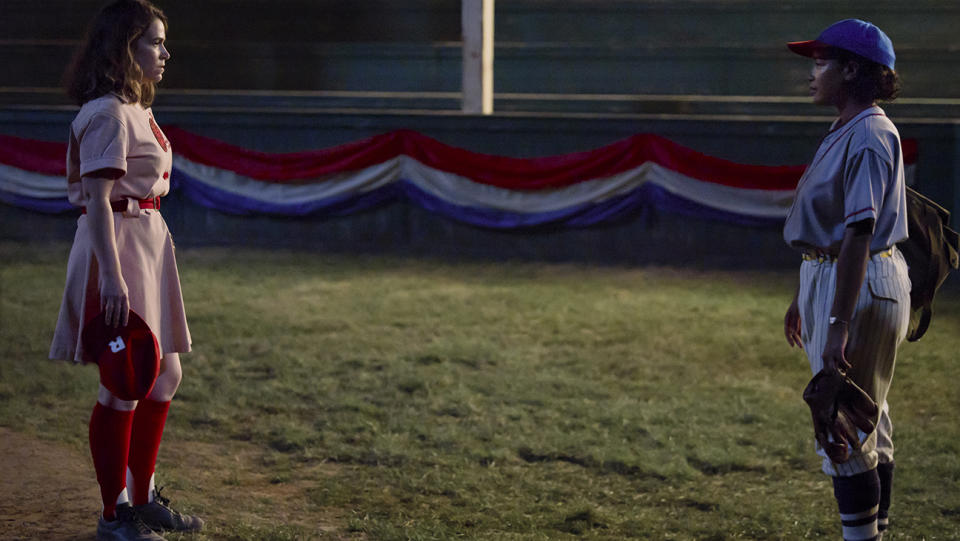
x,y
450,187
30,184
462,191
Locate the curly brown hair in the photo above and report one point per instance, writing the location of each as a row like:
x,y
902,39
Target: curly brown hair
x,y
874,82
105,62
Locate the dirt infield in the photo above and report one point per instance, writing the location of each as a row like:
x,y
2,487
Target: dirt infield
x,y
48,491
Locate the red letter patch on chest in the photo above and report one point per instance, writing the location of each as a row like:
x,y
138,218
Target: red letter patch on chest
x,y
159,135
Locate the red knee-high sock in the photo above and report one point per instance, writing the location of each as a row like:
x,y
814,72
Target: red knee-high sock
x,y
148,422
110,445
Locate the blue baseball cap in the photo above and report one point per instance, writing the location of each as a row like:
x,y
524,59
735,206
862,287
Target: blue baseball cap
x,y
852,35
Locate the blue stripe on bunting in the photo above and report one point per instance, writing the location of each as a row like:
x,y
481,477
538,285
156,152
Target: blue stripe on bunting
x,y
231,203
46,206
638,202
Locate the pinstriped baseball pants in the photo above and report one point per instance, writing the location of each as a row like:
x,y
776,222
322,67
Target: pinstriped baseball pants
x,y
878,327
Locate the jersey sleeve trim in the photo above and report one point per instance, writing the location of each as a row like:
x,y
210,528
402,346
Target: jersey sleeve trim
x,y
854,213
91,166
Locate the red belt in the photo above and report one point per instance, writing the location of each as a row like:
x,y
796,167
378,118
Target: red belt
x,y
120,206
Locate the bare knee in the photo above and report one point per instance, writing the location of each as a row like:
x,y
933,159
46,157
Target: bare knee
x,y
106,398
169,379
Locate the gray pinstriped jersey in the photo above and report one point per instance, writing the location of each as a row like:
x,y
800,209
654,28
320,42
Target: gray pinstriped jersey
x,y
857,173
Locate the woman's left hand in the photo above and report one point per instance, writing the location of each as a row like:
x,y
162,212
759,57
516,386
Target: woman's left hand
x,y
834,356
792,325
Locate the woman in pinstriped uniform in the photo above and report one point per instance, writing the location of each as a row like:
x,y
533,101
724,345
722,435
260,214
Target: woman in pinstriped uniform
x,y
851,308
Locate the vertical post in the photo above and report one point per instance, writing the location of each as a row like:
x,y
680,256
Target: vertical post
x,y
955,188
477,21
487,57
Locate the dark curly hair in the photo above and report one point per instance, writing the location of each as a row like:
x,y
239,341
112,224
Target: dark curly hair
x,y
105,61
874,82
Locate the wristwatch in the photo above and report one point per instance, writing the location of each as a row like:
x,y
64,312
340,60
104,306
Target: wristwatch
x,y
834,320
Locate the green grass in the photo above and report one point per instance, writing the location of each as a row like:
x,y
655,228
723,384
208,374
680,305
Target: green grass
x,y
410,400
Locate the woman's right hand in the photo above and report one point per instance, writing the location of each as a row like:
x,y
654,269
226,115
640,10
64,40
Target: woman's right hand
x,y
114,300
791,324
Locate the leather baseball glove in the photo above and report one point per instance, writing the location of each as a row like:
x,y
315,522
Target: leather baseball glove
x,y
839,407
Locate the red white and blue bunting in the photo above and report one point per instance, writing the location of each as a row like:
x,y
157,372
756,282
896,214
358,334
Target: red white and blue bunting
x,y
641,173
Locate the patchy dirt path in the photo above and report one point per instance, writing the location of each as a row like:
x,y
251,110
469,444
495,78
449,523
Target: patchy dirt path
x,y
48,491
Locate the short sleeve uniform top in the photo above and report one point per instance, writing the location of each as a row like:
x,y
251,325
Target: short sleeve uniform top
x,y
856,174
110,133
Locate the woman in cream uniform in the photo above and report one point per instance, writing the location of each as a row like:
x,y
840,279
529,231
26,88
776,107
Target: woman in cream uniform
x,y
118,167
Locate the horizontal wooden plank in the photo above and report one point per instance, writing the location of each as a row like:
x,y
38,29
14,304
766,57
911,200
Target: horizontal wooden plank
x,y
529,68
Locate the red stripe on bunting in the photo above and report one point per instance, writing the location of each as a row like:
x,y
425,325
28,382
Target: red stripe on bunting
x,y
911,151
501,171
284,167
505,172
48,158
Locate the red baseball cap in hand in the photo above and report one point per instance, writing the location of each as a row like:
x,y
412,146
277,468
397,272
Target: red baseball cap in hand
x,y
129,357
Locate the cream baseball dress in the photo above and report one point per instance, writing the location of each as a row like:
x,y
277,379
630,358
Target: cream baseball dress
x,y
111,133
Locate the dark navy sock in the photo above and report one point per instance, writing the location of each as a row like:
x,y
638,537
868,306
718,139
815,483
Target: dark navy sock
x,y
858,499
885,472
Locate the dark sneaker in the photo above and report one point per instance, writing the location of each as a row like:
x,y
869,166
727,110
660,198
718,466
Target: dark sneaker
x,y
126,527
158,516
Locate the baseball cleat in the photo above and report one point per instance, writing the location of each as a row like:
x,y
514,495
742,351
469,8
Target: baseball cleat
x,y
126,527
159,516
